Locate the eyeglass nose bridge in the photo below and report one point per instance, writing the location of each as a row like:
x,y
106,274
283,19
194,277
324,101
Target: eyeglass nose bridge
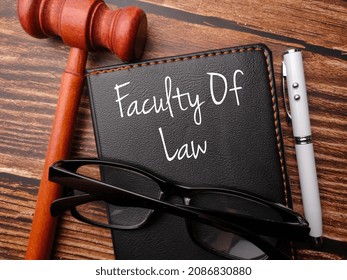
x,y
170,189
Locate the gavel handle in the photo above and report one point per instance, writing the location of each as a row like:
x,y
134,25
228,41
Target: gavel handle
x,y
43,227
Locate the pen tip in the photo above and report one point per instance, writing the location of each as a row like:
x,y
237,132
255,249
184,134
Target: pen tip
x,y
316,241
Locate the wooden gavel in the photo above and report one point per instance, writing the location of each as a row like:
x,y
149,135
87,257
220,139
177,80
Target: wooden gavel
x,y
83,25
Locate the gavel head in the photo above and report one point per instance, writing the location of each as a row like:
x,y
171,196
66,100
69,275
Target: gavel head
x,y
86,24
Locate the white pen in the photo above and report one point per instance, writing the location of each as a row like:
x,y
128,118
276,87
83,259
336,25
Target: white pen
x,y
293,75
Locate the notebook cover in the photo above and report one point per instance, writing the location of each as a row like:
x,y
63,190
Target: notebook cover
x,y
203,118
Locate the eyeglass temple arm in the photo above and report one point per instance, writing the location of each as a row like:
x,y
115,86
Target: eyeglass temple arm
x,y
292,230
70,166
121,197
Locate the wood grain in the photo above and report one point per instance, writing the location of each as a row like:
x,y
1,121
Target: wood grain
x,y
30,71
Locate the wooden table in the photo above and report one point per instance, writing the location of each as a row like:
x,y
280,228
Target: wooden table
x,y
30,71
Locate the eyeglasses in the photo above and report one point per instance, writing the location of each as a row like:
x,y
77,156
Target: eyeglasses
x,y
230,223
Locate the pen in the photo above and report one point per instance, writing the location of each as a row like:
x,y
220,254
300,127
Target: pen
x,y
294,77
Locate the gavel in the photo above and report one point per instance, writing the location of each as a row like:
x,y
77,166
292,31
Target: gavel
x,y
84,25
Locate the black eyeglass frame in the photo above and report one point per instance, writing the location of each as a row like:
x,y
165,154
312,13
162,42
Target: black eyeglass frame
x,y
293,227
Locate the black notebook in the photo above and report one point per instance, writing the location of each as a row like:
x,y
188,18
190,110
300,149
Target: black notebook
x,y
207,118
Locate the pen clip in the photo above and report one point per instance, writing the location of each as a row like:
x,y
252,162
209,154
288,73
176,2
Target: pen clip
x,y
284,82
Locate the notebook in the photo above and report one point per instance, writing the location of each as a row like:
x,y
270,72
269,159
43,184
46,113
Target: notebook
x,y
196,119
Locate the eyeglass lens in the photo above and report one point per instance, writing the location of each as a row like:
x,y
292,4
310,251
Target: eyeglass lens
x,y
229,243
132,181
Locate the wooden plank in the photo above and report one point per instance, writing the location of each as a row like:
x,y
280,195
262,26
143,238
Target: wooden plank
x,y
314,25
